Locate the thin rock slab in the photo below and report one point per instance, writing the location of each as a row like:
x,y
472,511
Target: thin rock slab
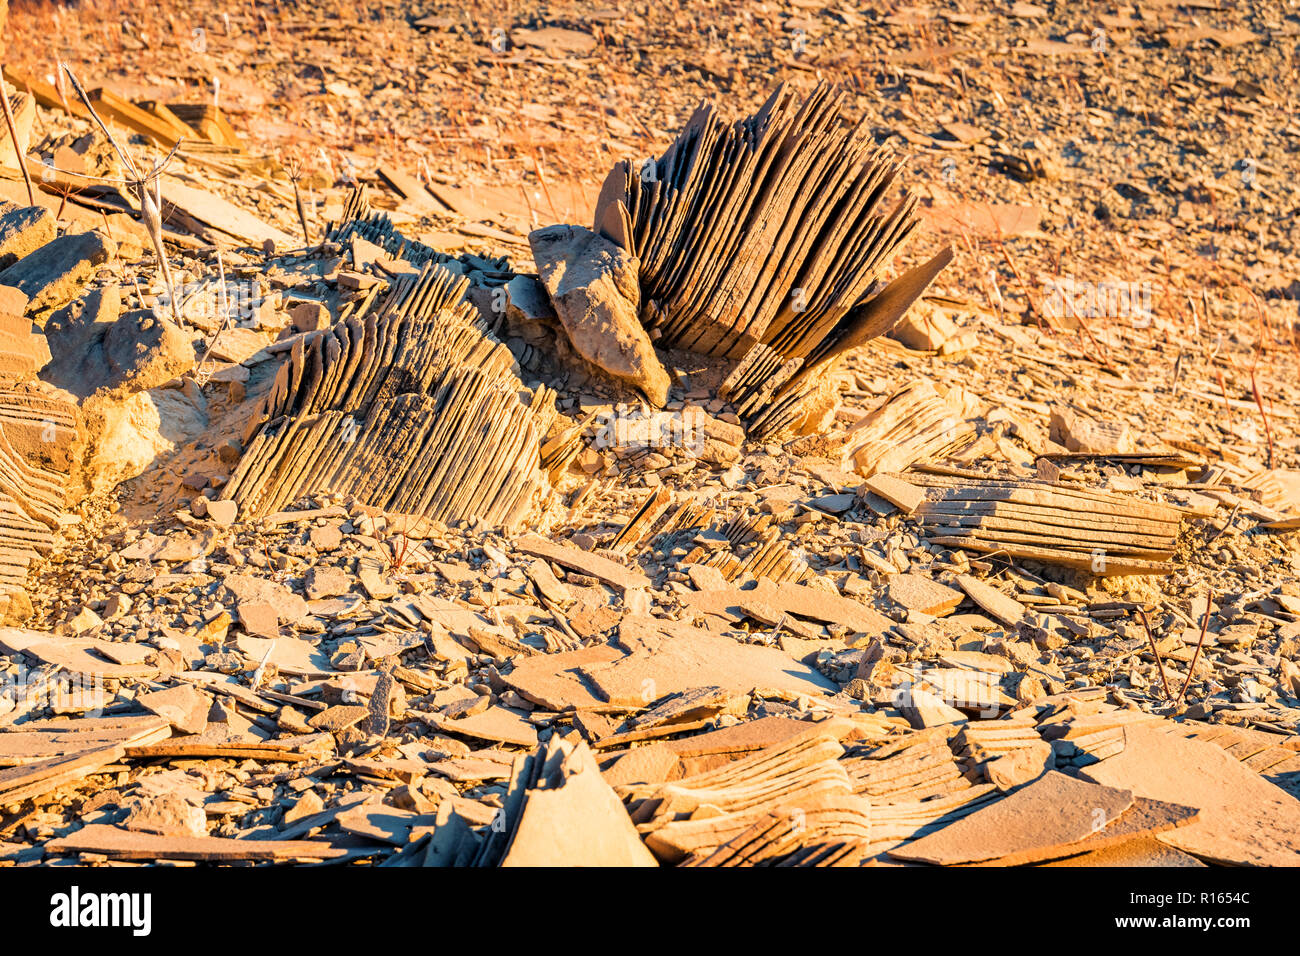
x,y
185,707
667,657
497,724
602,568
59,737
290,655
79,656
1244,819
297,749
1033,822
906,497
800,600
1006,609
39,777
385,824
1145,852
119,844
576,820
917,592
1145,820
556,682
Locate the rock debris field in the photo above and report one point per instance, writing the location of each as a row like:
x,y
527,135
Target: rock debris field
x,y
706,434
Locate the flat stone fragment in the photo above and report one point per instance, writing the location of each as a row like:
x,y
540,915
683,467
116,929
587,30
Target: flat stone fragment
x,y
166,814
122,844
326,581
555,681
798,599
925,709
583,562
41,739
39,777
663,760
917,592
80,656
289,654
184,707
498,724
385,824
548,585
906,497
338,718
326,538
375,585
1244,819
1143,821
223,512
247,591
668,657
835,504
386,694
1052,811
1145,852
1006,609
577,820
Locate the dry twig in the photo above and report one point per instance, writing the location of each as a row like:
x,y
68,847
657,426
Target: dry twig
x,y
1196,656
150,201
18,147
1164,681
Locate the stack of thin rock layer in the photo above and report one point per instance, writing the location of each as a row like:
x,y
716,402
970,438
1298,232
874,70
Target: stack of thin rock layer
x,y
415,409
744,808
772,559
764,241
913,767
360,221
1083,528
912,424
36,434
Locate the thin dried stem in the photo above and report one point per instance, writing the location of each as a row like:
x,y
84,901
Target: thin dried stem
x,y
1196,656
1259,402
150,202
18,147
294,170
225,315
1164,681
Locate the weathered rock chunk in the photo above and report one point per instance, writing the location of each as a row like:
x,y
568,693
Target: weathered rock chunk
x,y
23,230
53,275
144,350
23,352
593,287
